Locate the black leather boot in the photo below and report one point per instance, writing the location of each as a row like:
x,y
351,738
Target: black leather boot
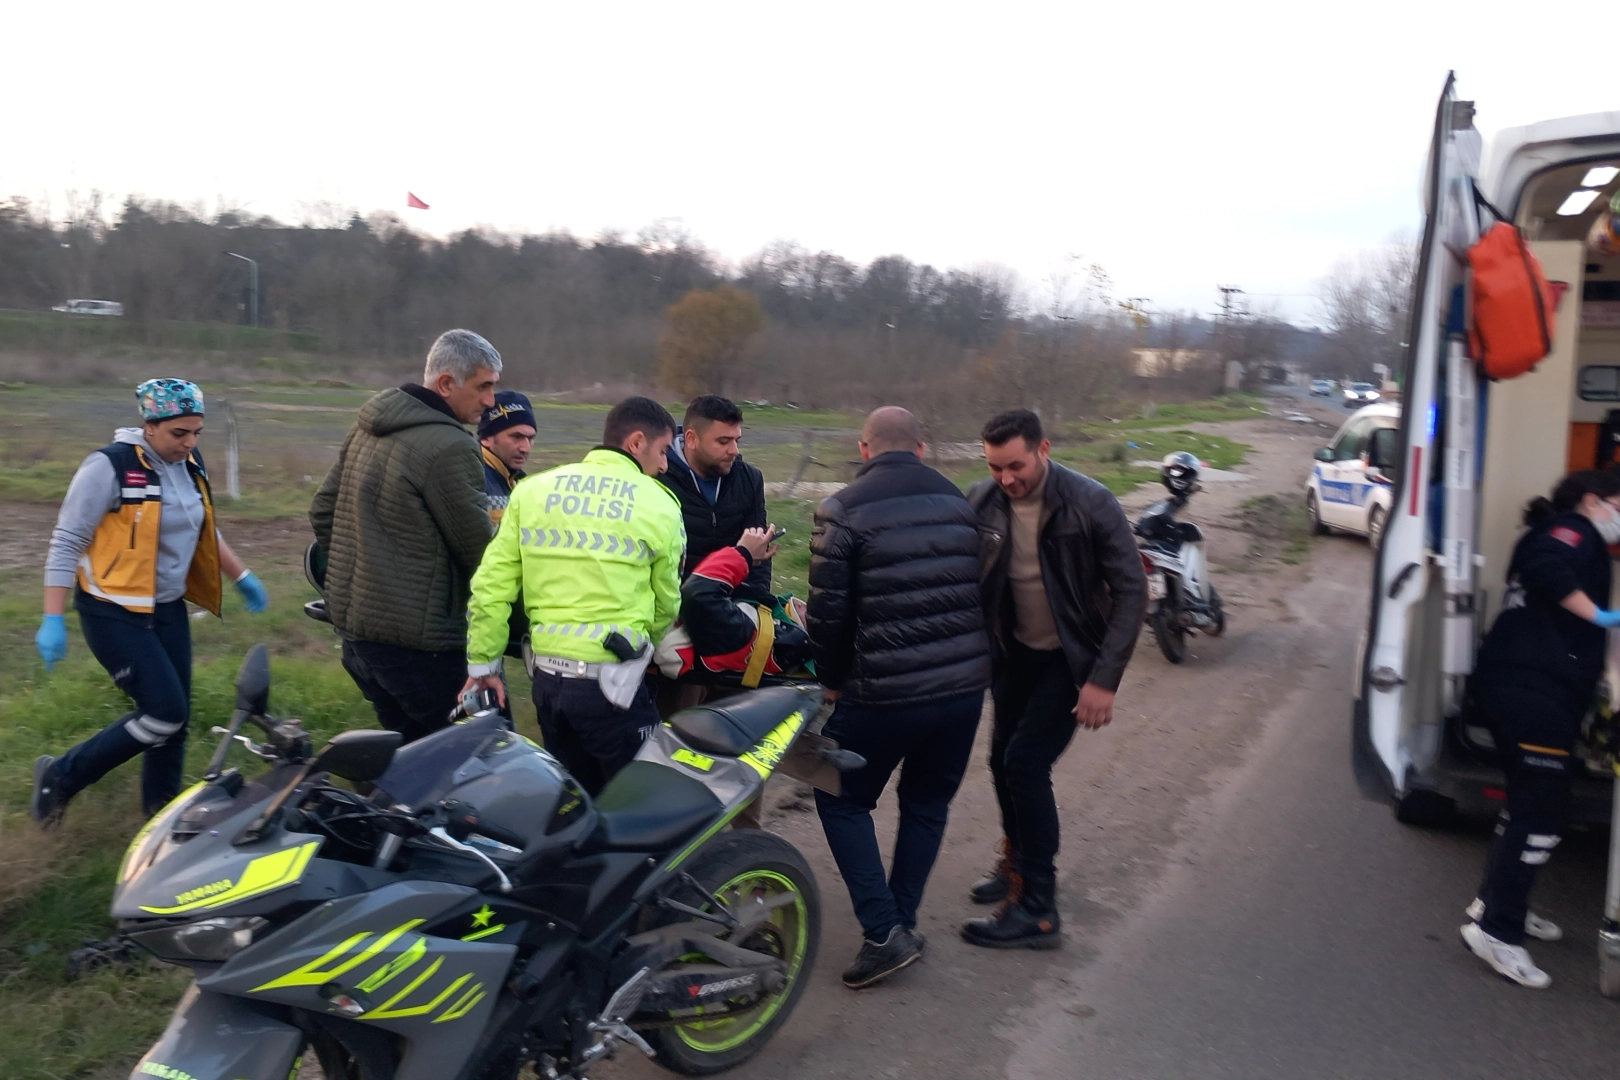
x,y
1027,920
992,888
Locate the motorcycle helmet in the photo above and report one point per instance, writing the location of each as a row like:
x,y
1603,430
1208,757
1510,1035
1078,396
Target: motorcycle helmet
x,y
1179,472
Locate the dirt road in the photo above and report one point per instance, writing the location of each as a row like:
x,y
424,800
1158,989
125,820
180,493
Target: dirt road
x,y
1127,795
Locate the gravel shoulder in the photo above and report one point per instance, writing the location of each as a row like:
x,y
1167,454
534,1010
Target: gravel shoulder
x,y
1128,796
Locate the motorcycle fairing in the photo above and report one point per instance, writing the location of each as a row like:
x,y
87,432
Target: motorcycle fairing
x,y
215,1037
435,992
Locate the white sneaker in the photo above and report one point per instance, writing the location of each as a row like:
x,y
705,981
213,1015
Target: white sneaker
x,y
1534,925
1509,961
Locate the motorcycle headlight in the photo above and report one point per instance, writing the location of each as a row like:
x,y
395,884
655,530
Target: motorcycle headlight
x,y
212,940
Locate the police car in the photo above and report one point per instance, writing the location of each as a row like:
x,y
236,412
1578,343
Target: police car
x,y
1350,487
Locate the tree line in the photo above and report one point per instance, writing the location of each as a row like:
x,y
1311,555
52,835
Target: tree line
x,y
787,324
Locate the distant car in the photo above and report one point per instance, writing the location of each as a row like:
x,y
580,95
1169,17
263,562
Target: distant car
x,y
90,307
1358,394
1322,388
1351,487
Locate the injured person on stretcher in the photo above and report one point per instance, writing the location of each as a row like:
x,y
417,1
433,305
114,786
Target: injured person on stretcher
x,y
730,633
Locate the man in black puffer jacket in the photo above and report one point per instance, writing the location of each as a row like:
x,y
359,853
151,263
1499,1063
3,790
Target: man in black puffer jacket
x,y
896,618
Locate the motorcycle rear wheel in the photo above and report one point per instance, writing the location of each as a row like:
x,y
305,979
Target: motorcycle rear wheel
x,y
736,865
1172,639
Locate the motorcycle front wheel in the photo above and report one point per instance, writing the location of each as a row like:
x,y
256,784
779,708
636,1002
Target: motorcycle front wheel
x,y
1172,638
739,867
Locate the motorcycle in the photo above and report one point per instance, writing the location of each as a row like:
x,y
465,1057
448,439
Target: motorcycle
x,y
1181,599
465,910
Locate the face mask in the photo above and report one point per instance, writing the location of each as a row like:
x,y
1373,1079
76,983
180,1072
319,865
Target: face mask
x,y
1609,527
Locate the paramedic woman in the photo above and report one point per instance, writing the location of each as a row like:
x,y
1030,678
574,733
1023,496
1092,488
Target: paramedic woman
x,y
1534,681
135,539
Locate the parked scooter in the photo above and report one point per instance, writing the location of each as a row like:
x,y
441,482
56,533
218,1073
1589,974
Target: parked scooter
x,y
1181,599
464,910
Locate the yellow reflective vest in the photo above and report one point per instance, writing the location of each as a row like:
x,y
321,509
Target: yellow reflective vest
x,y
121,563
594,547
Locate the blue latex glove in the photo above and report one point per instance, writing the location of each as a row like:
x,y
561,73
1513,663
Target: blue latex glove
x,y
51,640
254,598
1607,619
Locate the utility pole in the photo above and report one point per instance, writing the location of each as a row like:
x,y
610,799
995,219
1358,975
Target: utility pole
x,y
1227,292
253,287
1225,335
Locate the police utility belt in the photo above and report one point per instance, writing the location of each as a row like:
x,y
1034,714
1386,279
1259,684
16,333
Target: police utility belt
x,y
619,679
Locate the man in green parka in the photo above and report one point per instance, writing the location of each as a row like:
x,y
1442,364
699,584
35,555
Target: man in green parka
x,y
402,521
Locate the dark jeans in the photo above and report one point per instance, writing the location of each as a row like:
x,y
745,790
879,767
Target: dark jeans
x,y
1035,694
149,658
412,691
1535,735
933,740
592,738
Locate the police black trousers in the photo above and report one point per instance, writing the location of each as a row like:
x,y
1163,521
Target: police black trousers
x,y
1535,737
149,658
1035,695
592,737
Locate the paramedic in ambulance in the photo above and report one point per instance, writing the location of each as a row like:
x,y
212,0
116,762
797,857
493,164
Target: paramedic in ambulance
x,y
594,549
1533,683
135,539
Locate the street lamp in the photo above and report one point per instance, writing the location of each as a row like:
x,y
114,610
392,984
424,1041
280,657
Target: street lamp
x,y
253,287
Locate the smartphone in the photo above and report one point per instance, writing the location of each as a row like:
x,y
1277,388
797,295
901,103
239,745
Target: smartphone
x,y
781,531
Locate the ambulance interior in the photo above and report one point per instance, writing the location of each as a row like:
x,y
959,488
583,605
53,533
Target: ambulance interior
x,y
1565,414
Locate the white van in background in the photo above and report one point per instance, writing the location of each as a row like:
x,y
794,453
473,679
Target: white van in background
x,y
90,307
1473,452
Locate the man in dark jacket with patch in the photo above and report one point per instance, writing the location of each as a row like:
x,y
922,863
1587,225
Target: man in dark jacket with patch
x,y
403,522
720,493
1064,594
506,433
895,615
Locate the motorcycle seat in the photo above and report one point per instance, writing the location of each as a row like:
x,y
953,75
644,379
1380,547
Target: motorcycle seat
x,y
649,807
734,726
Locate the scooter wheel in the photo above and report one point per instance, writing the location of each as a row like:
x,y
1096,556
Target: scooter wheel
x,y
1172,639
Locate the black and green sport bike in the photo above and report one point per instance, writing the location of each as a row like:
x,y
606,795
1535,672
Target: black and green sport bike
x,y
464,910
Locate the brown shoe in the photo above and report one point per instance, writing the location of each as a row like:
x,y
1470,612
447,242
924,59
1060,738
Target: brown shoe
x,y
993,887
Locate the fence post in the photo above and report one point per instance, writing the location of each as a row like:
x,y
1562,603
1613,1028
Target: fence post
x,y
233,458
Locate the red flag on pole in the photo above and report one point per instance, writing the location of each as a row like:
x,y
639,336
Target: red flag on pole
x,y
413,203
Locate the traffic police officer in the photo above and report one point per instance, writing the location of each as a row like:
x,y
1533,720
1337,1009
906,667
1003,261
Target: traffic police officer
x,y
1533,685
595,549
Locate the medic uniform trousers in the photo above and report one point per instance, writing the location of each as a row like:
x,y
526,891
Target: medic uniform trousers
x,y
144,645
149,658
1535,734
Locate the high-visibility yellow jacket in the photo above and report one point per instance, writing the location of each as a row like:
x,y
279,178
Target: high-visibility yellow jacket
x,y
121,562
594,547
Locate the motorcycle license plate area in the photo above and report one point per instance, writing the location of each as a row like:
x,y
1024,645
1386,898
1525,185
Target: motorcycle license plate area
x,y
1155,586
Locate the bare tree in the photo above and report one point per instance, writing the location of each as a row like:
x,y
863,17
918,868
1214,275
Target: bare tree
x,y
1366,302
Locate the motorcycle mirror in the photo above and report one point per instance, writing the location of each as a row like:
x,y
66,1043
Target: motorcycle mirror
x,y
358,755
253,682
1324,453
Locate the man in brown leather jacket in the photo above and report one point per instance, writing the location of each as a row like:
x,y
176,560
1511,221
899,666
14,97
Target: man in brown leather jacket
x,y
1063,592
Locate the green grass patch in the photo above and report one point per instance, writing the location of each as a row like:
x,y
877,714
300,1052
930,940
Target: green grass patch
x,y
1279,527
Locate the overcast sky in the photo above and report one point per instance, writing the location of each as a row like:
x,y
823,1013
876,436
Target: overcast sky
x,y
1179,145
